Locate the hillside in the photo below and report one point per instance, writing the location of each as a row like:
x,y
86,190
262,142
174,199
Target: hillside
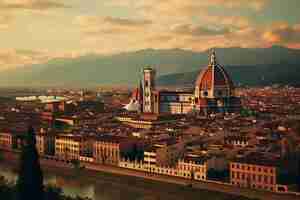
x,y
271,65
259,75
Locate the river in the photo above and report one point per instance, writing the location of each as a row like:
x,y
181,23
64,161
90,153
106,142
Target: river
x,y
101,186
97,190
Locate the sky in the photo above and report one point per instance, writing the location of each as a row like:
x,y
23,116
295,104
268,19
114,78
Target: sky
x,y
35,31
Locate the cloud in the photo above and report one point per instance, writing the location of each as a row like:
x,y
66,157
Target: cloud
x,y
283,33
253,4
111,25
13,58
10,58
236,22
139,33
126,22
31,4
5,20
189,29
187,8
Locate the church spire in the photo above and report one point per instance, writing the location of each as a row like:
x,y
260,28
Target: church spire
x,y
213,58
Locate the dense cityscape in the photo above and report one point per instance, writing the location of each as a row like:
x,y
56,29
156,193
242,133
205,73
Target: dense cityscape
x,y
149,100
213,136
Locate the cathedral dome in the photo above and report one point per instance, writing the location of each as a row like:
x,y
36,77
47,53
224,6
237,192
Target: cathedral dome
x,y
213,77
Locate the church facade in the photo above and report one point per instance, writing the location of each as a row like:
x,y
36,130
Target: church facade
x,y
214,92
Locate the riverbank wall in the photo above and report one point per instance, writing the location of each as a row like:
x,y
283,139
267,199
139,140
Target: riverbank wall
x,y
91,169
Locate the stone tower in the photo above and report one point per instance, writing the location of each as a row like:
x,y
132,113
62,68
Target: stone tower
x,y
148,88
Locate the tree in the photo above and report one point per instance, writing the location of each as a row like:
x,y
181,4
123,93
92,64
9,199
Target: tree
x,y
6,191
30,179
53,193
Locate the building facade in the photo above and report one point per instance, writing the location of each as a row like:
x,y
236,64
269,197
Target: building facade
x,y
214,91
148,88
164,153
6,140
254,172
72,147
45,142
67,147
109,149
193,166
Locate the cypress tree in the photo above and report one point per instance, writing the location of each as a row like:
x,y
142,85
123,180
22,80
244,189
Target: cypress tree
x,y
30,179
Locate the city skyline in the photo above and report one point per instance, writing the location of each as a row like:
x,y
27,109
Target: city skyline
x,y
35,31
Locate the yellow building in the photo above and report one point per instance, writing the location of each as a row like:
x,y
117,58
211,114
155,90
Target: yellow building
x,y
71,147
45,142
40,143
193,166
108,149
254,172
5,140
164,153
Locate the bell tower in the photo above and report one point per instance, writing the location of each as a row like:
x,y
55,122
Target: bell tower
x,y
148,88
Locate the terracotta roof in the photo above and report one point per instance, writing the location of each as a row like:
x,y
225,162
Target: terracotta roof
x,y
213,75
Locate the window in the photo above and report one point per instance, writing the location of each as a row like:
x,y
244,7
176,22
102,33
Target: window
x,y
232,175
265,179
146,83
205,93
259,178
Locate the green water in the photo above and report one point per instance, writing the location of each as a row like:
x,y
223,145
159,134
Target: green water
x,y
109,187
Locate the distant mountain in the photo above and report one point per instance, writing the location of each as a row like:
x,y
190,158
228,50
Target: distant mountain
x,y
256,75
266,66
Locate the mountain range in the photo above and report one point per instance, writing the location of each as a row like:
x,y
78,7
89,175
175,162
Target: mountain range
x,y
247,66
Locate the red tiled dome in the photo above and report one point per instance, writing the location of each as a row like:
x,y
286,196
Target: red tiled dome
x,y
215,75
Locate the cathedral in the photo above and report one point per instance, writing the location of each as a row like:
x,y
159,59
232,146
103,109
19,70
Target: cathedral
x,y
213,93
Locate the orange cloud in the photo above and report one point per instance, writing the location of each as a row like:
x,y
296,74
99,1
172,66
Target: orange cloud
x,y
5,20
283,33
189,29
253,4
110,25
31,4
